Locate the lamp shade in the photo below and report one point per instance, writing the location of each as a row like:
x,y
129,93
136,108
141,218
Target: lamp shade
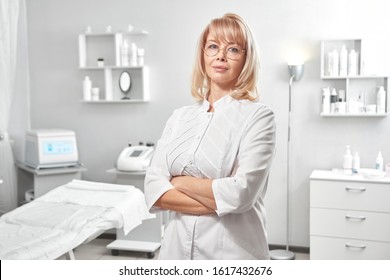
x,y
296,71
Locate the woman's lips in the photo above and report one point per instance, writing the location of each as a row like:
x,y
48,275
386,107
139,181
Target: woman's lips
x,y
220,68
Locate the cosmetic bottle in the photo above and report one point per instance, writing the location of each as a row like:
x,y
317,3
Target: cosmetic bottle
x,y
341,106
342,94
333,100
87,87
125,53
133,59
379,162
381,100
326,100
352,63
355,163
347,163
141,55
343,61
361,102
333,63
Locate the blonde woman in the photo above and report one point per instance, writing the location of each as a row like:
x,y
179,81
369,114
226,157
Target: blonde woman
x,y
211,165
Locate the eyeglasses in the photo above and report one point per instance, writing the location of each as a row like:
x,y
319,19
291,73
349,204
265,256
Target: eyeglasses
x,y
232,51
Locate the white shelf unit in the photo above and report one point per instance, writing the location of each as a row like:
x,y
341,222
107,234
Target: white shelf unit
x,y
353,85
93,46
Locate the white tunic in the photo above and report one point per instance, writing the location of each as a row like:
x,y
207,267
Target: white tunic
x,y
233,146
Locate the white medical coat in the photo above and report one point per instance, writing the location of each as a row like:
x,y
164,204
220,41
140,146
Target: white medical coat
x,y
234,146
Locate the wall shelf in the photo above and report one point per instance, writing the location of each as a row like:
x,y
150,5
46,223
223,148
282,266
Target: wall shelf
x,y
93,46
353,115
356,85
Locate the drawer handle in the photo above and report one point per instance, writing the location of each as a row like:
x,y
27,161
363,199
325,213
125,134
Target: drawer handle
x,y
350,217
355,246
354,189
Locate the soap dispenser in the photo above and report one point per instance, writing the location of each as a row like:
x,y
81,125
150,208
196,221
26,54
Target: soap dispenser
x,y
379,162
347,163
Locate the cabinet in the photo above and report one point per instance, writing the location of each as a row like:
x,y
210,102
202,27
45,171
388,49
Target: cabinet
x,y
44,180
107,46
349,217
357,86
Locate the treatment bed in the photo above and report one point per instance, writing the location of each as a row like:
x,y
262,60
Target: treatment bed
x,y
68,216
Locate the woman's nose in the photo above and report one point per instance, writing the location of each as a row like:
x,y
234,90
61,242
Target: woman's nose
x,y
221,55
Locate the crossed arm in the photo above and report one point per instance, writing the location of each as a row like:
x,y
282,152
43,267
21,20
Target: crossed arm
x,y
190,195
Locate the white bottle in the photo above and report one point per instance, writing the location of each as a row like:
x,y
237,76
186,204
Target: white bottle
x,y
141,55
133,59
355,163
381,100
347,163
333,63
326,100
352,63
125,53
333,101
379,162
343,61
87,87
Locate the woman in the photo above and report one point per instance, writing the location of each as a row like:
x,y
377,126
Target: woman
x,y
212,162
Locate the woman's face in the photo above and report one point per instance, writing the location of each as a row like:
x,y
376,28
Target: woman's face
x,y
226,65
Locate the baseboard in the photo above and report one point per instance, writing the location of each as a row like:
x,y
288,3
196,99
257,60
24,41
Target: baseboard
x,y
295,249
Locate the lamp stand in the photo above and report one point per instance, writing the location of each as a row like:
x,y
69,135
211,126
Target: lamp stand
x,y
296,72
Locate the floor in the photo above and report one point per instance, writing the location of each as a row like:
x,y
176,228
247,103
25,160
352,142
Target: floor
x,y
96,250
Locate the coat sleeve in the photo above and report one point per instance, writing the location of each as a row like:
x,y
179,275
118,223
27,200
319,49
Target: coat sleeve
x,y
239,193
157,179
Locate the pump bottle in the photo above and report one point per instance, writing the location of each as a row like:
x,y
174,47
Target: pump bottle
x,y
347,164
87,88
343,61
379,162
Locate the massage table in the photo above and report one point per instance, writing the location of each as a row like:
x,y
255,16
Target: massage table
x,y
70,215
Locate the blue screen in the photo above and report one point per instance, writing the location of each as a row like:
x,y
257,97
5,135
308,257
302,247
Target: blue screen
x,y
57,147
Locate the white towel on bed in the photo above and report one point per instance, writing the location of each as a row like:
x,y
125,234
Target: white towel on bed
x,y
131,203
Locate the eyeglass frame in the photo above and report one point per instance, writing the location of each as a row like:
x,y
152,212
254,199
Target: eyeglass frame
x,y
241,51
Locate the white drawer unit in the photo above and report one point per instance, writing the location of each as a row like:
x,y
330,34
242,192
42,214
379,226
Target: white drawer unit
x,y
349,217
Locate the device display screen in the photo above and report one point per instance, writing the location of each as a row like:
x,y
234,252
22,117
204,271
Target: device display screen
x,y
136,153
57,147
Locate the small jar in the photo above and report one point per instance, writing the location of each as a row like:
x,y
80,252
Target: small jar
x,y
100,62
95,94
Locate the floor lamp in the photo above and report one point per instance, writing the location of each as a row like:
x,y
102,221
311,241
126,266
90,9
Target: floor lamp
x,y
296,72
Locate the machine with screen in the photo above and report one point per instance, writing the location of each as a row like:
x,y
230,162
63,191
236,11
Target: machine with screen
x,y
135,158
50,148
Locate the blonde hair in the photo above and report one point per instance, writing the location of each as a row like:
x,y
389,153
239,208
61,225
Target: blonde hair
x,y
229,28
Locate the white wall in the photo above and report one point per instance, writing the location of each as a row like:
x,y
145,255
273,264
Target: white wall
x,y
281,27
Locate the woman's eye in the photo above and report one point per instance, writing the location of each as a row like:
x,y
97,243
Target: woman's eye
x,y
233,50
212,46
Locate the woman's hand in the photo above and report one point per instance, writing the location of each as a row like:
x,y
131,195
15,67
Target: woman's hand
x,y
198,189
180,202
